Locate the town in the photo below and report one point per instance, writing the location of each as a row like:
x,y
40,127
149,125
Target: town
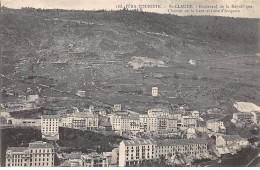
x,y
167,134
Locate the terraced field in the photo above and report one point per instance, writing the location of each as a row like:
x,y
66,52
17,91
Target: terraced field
x,y
65,52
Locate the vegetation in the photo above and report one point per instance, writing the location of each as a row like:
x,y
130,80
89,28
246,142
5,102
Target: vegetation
x,y
17,137
87,140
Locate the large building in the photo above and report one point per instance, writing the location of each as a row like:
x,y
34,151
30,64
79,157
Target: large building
x,y
81,120
38,154
197,146
50,127
133,152
125,121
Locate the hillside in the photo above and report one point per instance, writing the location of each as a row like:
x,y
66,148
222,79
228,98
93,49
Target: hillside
x,y
95,51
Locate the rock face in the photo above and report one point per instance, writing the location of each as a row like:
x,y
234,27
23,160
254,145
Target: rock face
x,y
246,107
65,52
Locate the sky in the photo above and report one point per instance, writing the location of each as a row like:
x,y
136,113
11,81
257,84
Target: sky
x,y
112,4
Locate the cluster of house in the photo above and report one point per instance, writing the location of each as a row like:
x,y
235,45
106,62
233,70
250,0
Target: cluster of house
x,y
159,120
128,153
229,144
29,102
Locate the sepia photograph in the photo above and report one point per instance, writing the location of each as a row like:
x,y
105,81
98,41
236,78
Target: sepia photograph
x,y
129,83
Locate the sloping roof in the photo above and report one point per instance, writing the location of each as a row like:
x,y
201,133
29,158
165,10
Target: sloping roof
x,y
40,145
50,116
17,149
83,115
174,142
137,142
212,120
134,116
232,137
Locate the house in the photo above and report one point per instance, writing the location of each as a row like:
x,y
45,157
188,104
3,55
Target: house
x,y
38,154
187,122
215,125
226,140
242,119
72,160
96,160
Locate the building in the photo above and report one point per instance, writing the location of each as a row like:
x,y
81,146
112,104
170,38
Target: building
x,y
195,114
256,117
225,140
172,123
125,121
96,160
197,146
38,154
24,122
81,120
143,122
155,91
133,152
50,127
216,126
242,119
157,120
188,122
117,107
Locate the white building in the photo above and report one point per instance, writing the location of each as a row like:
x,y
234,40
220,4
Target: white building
x,y
38,154
225,140
81,120
50,127
155,91
216,126
133,152
125,121
188,122
198,146
195,114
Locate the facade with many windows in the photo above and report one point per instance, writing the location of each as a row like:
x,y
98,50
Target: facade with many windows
x,y
81,120
185,146
125,121
50,127
38,154
133,152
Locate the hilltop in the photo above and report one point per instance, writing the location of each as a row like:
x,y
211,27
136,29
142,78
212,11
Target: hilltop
x,y
207,61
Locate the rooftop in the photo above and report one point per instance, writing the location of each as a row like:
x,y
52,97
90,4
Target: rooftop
x,y
50,116
137,142
232,137
17,149
40,144
174,142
